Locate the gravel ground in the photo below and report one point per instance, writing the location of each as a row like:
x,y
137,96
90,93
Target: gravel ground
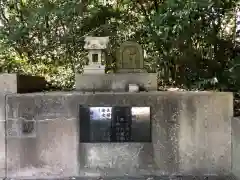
x,y
136,178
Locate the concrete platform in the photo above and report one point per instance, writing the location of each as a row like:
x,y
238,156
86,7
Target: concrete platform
x,y
191,132
115,82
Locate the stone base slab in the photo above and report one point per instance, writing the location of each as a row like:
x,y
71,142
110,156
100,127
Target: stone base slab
x,y
16,83
115,82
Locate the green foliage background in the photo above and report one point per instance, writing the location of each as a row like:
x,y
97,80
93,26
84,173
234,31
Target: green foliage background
x,y
190,43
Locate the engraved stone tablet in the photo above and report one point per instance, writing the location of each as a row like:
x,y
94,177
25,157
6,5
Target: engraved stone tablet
x,y
131,57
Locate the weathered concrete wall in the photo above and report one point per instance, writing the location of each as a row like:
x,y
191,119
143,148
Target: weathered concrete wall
x,y
8,84
13,83
116,159
205,133
2,135
236,146
191,133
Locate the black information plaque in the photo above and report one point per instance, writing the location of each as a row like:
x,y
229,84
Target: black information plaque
x,y
84,115
114,124
121,124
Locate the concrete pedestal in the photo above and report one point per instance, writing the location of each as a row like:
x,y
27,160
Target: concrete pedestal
x,y
115,82
191,135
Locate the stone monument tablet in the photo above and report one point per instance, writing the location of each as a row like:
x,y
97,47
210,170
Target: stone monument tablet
x,y
131,57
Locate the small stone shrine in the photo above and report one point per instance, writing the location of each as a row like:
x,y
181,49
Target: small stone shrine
x,y
130,75
96,47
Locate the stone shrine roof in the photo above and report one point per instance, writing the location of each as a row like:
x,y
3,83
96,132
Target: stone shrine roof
x,y
96,43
